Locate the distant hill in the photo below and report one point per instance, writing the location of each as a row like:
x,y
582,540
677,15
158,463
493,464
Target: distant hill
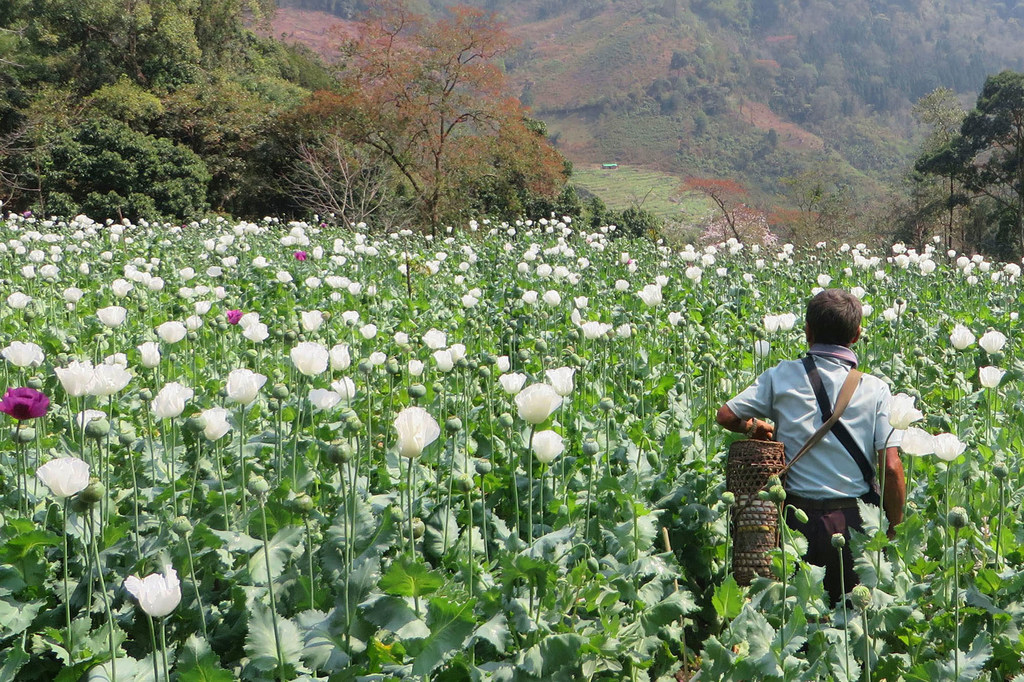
x,y
756,90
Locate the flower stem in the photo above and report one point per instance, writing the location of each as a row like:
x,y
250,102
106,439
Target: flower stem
x,y
163,648
529,501
195,585
270,588
67,596
106,603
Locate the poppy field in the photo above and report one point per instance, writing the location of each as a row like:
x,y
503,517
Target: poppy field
x,y
297,451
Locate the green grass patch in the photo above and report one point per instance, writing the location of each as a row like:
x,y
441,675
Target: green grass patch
x,y
627,185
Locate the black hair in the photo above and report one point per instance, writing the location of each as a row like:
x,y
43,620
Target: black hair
x,y
833,316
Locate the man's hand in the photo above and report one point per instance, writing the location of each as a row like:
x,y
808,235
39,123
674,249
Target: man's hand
x,y
761,430
751,428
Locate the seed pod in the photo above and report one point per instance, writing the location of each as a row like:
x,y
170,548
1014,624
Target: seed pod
x,y
35,382
258,486
418,527
98,429
93,492
453,425
860,597
606,404
957,517
590,447
279,392
838,540
1000,471
304,503
729,498
417,391
182,526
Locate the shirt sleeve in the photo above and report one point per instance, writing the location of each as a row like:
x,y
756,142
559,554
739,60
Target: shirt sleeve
x,y
756,400
883,430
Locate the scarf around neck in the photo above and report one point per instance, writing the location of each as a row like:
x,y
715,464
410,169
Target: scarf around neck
x,y
835,352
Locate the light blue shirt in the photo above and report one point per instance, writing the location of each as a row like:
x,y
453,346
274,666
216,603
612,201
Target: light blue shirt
x,y
784,395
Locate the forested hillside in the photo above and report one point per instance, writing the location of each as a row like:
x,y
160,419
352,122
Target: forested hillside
x,y
169,109
772,93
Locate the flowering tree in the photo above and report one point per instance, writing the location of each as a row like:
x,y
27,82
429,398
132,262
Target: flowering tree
x,y
726,194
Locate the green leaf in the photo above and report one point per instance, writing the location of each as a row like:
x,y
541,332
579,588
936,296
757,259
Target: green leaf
x,y
394,615
728,599
495,632
551,654
450,624
15,617
409,578
284,546
324,643
197,663
668,610
261,644
13,660
21,545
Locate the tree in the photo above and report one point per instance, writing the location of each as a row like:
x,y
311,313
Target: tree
x,y
987,155
356,184
430,97
726,194
940,110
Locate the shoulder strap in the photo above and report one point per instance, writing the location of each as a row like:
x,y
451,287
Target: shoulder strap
x,y
840,431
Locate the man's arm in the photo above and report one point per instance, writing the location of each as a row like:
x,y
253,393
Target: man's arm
x,y
891,466
753,428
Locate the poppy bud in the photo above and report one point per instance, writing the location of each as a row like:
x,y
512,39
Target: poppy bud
x,y
505,419
1000,471
777,494
800,515
279,392
418,527
728,498
26,434
838,541
464,483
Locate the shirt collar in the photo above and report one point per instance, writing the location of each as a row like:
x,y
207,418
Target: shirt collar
x,y
835,352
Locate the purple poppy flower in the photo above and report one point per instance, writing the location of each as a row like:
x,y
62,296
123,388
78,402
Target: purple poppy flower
x,y
301,255
234,316
24,403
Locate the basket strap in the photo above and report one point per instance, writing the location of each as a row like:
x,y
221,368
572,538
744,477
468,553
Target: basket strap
x,y
845,394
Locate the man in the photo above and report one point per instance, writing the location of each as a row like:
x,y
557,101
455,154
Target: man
x,y
798,396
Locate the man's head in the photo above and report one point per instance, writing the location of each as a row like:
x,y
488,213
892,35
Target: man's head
x,y
833,316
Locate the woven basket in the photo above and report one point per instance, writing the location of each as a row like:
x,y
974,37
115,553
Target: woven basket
x,y
755,522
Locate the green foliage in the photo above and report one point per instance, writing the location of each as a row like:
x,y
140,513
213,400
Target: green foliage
x,y
104,167
152,85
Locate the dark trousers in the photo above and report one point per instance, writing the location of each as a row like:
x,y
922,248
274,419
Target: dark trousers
x,y
820,527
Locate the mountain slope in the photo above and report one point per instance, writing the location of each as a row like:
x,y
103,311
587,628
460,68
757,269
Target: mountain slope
x,y
757,90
